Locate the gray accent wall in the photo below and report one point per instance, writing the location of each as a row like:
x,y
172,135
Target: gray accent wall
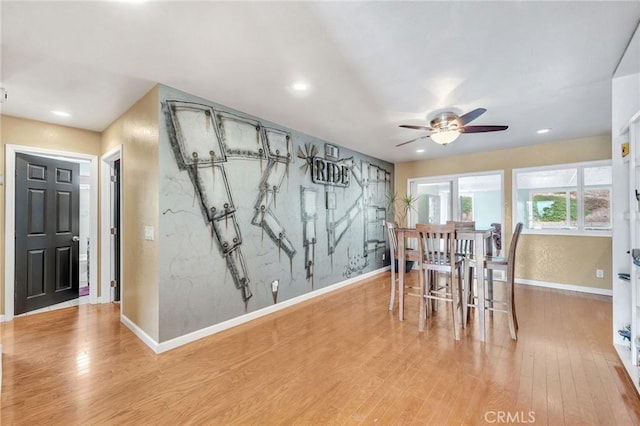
x,y
253,213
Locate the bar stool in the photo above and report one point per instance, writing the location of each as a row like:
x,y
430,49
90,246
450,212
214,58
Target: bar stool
x,y
464,249
410,255
437,251
508,264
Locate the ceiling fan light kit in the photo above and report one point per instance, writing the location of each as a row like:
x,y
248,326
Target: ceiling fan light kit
x,y
445,137
447,126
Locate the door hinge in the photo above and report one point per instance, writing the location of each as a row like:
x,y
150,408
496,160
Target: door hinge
x,y
114,231
113,178
113,283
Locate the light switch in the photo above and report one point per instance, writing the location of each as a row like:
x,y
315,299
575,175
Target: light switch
x,y
148,232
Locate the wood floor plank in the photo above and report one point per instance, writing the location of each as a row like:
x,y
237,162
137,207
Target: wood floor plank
x,y
570,406
620,414
340,359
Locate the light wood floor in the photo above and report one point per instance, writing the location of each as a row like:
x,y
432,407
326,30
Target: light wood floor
x,y
340,359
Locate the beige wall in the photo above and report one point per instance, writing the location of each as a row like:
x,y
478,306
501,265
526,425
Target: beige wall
x,y
18,131
555,259
137,131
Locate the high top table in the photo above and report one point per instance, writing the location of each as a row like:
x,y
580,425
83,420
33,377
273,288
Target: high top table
x,y
481,248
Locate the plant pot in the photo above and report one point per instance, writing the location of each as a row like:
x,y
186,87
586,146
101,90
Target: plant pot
x,y
408,265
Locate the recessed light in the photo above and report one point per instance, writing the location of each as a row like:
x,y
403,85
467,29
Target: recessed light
x,y
420,150
542,131
300,86
61,113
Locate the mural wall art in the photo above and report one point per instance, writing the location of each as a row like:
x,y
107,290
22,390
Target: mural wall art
x,y
257,210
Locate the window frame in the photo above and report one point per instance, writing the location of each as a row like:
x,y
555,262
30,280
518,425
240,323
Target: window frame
x,y
454,178
580,188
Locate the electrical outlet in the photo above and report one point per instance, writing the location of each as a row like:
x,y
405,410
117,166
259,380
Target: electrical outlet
x,y
148,232
599,273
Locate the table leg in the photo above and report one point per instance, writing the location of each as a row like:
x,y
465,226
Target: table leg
x,y
401,262
490,290
479,250
489,252
393,257
466,291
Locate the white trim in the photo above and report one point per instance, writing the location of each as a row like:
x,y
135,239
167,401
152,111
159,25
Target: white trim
x,y
561,166
93,233
10,222
216,328
624,353
146,339
1,318
437,178
568,287
106,164
635,117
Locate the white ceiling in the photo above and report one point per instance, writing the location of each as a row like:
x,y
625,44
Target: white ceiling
x,y
371,65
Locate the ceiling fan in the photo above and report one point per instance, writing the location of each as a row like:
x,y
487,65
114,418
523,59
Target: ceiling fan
x,y
447,126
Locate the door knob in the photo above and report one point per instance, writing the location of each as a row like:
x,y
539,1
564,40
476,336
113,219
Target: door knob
x,y
75,239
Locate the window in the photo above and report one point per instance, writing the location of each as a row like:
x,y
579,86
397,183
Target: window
x,y
480,199
564,199
466,208
476,197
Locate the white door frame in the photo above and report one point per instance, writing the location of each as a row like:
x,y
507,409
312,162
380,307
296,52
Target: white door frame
x,y
10,219
106,207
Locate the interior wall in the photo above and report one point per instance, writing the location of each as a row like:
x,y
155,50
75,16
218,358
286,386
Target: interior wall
x,y
137,131
19,131
550,258
239,210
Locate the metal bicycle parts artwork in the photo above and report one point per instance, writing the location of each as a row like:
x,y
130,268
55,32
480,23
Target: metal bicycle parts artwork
x,y
211,144
204,141
334,173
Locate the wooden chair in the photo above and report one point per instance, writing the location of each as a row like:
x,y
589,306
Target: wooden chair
x,y
464,249
410,255
508,264
437,251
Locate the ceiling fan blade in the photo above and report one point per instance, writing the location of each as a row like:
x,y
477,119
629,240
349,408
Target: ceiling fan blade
x,y
410,126
482,129
413,140
470,116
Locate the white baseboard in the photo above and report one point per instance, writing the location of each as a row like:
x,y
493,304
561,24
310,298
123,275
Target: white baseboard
x,y
1,318
233,322
140,333
569,287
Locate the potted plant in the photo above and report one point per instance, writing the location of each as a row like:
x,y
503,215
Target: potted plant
x,y
402,205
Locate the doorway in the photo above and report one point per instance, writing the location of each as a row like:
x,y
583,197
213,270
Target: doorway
x,y
70,269
111,220
115,224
